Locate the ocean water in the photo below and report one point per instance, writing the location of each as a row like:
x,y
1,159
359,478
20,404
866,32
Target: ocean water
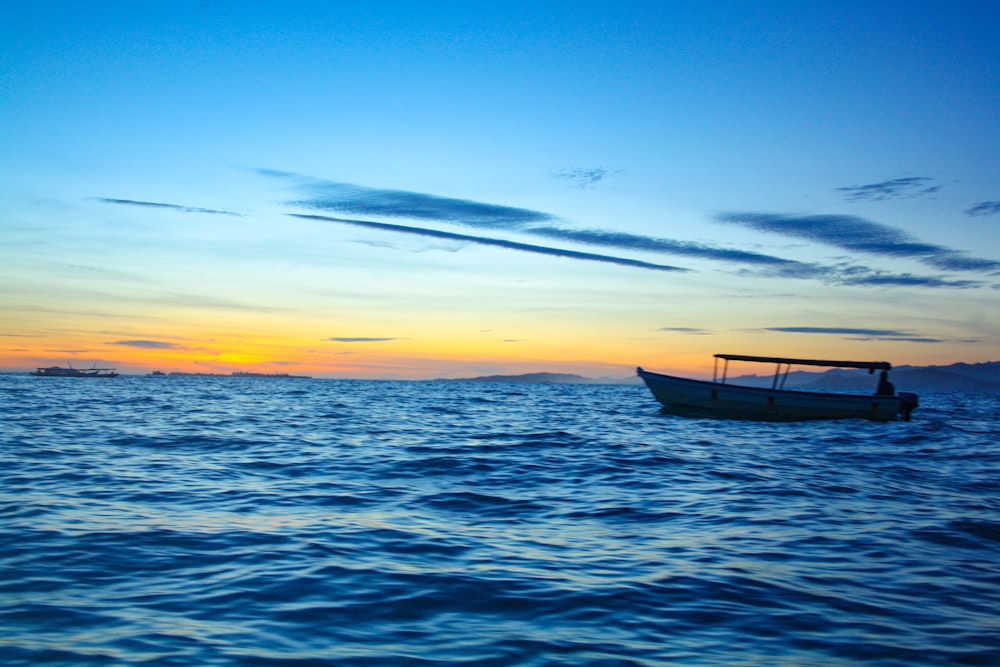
x,y
253,521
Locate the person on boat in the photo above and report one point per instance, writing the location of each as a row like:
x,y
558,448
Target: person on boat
x,y
885,388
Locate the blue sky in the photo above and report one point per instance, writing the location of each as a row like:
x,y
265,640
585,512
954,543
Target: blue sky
x,y
443,189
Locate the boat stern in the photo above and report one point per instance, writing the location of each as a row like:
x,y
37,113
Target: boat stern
x,y
908,402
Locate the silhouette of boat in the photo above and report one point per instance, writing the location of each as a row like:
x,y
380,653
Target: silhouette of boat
x,y
59,372
689,397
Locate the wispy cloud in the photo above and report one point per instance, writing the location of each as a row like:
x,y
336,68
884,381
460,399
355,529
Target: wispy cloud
x,y
360,339
686,330
613,239
866,334
865,277
277,173
860,235
581,177
848,232
913,186
500,243
146,344
172,207
984,208
360,200
839,330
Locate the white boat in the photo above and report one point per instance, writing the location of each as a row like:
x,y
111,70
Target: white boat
x,y
688,397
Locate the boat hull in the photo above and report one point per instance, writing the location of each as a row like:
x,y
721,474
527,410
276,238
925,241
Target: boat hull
x,y
687,397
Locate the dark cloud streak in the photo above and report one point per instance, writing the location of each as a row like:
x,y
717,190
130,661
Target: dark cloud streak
x,y
581,177
913,186
839,330
510,245
651,244
860,235
145,344
864,277
849,232
359,200
358,339
864,334
172,207
686,330
984,208
346,198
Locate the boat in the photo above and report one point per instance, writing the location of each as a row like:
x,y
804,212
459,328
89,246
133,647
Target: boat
x,y
716,398
59,372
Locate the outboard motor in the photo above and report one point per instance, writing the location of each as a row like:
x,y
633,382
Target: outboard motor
x,y
907,402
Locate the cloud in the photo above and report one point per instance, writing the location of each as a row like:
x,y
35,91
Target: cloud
x,y
332,196
510,245
913,186
350,339
838,330
865,277
651,244
173,207
854,275
359,200
145,344
581,177
849,232
686,330
984,208
860,235
865,334
275,173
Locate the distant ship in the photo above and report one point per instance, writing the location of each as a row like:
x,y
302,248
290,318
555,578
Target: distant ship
x,y
59,372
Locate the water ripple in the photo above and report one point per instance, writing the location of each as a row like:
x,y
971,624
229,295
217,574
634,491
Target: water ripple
x,y
181,521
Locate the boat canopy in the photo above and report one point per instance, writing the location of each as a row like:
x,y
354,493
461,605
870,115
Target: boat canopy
x,y
779,377
868,365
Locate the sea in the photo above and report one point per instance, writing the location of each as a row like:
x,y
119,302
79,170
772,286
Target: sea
x,y
280,521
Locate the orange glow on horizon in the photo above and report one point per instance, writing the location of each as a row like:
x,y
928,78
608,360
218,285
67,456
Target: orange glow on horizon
x,y
439,349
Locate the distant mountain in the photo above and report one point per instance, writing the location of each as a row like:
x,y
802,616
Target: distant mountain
x,y
552,378
983,377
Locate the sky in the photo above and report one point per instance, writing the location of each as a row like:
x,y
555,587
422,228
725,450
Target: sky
x,y
416,190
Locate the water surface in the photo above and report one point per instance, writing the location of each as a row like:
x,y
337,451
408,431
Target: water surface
x,y
256,521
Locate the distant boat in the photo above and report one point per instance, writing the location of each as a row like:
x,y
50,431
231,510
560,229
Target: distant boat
x,y
59,372
688,397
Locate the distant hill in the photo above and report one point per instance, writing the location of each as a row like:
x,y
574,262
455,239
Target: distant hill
x,y
956,377
552,378
984,377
